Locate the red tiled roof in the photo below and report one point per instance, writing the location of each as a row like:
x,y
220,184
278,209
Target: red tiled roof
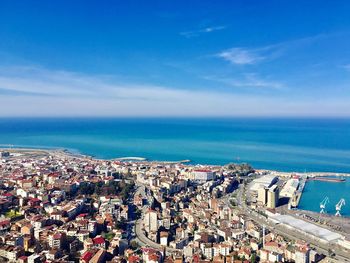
x,y
133,259
4,222
195,258
153,257
271,243
98,240
86,256
57,236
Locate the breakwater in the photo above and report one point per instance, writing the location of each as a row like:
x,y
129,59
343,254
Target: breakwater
x,y
327,179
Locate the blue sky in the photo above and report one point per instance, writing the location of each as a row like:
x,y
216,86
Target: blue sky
x,y
175,58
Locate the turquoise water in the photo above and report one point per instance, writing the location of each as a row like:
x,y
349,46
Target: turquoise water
x,y
280,144
316,191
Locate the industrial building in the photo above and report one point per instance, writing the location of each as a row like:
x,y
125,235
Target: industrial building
x,y
268,196
272,197
290,188
265,181
316,232
266,190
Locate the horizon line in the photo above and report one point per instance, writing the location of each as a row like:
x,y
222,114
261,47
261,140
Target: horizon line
x,y
178,117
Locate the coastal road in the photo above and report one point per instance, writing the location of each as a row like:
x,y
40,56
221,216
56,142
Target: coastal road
x,y
341,254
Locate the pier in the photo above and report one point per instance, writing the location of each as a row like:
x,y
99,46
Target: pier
x,y
327,179
132,158
294,201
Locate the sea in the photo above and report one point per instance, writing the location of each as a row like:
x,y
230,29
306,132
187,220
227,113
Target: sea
x,y
266,143
316,191
288,144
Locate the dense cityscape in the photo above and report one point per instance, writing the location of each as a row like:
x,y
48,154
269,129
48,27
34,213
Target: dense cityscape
x,y
59,207
174,131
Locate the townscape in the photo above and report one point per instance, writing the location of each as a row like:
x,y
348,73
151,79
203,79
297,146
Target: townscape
x,y
59,207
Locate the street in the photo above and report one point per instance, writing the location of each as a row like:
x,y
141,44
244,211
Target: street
x,y
140,236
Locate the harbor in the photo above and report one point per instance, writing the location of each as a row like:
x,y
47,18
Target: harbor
x,y
326,195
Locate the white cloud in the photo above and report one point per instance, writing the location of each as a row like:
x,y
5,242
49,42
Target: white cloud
x,y
42,92
249,80
251,56
198,32
241,56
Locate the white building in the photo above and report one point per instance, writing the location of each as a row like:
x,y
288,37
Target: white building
x,y
275,257
11,253
35,258
151,221
302,255
164,238
265,181
238,234
208,250
203,175
224,249
289,188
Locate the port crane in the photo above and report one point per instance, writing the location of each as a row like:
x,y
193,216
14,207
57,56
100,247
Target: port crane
x,y
339,206
323,204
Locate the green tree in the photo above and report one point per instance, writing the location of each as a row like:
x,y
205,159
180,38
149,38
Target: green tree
x,y
253,258
121,224
134,245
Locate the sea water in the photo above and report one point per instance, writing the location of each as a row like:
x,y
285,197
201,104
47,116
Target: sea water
x,y
315,191
278,144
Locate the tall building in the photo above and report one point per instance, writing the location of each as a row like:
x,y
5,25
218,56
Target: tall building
x,y
262,195
302,255
151,221
268,196
272,196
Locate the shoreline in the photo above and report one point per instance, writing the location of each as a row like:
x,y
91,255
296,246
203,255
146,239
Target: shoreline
x,y
76,154
26,152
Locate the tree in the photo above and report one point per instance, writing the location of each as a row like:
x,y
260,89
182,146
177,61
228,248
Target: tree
x,y
86,188
134,245
126,189
253,258
240,169
138,213
121,224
